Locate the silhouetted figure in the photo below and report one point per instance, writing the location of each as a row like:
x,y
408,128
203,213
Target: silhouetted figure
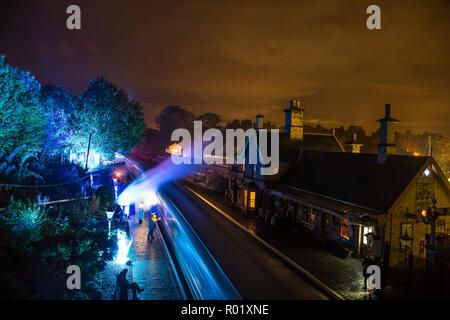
x,y
124,285
152,226
141,212
366,263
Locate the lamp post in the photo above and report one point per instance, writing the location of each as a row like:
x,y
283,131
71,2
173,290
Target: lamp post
x,y
109,216
406,240
88,150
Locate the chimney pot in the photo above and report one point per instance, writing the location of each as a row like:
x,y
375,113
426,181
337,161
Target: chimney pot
x,y
387,145
259,121
388,111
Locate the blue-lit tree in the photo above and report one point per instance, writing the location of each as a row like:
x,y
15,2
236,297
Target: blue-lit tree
x,y
115,122
22,119
60,107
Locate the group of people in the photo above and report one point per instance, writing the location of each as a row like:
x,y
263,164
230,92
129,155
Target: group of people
x,y
122,284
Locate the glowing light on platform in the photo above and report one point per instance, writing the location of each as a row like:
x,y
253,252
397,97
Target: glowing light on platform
x,y
124,245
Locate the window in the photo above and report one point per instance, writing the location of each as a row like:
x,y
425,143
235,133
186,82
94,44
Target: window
x,y
440,226
245,198
243,165
252,200
366,234
310,217
344,229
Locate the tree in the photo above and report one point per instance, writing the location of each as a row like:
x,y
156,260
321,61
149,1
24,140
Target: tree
x,y
172,118
235,124
115,122
209,120
60,107
22,118
246,124
40,244
269,125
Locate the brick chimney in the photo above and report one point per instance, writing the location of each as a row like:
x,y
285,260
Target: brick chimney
x,y
294,120
387,136
353,145
259,121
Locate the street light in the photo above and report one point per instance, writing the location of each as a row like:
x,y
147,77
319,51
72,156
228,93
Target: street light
x,y
109,216
406,240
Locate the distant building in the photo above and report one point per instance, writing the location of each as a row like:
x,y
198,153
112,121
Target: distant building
x,y
359,202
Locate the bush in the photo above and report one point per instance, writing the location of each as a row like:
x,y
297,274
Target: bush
x,y
39,245
106,197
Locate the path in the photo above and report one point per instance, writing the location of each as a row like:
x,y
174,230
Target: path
x,y
152,268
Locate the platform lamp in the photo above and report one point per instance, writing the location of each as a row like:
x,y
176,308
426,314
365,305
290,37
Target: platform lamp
x,y
109,216
406,241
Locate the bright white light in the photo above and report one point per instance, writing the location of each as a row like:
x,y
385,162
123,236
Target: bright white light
x,y
427,172
109,214
366,231
152,199
124,245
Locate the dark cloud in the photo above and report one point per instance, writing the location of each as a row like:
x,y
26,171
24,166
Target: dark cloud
x,y
238,58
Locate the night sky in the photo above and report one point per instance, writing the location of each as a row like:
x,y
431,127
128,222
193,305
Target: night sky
x,y
238,58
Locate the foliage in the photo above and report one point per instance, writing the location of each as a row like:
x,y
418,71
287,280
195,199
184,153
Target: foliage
x,y
106,197
41,244
174,117
240,124
209,120
59,106
115,122
24,224
21,115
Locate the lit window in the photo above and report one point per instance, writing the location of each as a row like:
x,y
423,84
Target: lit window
x,y
310,217
427,172
345,229
245,198
252,199
367,230
440,226
243,165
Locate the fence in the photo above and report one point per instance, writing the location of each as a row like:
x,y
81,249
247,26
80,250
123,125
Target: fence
x,y
420,277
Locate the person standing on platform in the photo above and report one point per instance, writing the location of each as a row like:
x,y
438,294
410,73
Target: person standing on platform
x,y
152,226
141,212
